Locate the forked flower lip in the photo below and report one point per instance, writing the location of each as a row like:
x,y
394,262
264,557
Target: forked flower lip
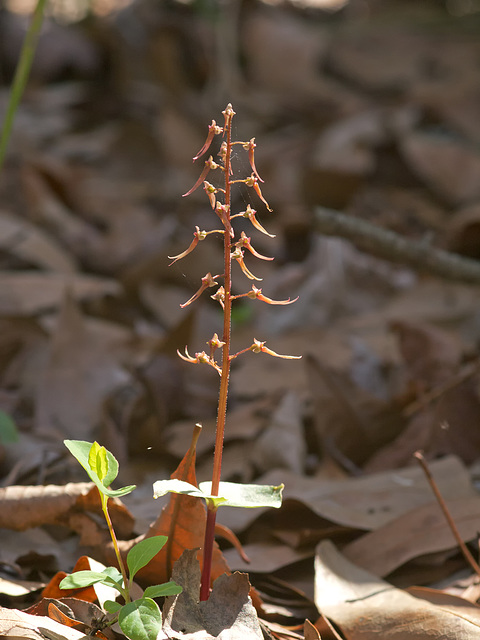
x,y
256,294
259,347
201,357
207,281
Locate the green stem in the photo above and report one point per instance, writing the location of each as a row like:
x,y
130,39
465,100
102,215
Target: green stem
x,y
21,75
224,379
115,546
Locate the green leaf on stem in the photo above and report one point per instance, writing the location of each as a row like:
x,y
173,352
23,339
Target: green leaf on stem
x,y
141,619
83,579
162,487
144,551
160,590
248,496
112,607
97,462
231,494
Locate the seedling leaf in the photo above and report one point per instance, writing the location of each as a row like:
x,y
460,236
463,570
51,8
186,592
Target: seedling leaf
x,y
144,551
231,494
82,579
159,590
99,464
81,451
141,619
247,495
162,487
110,576
112,607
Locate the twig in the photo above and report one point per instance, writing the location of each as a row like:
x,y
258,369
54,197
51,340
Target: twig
x,y
395,248
451,523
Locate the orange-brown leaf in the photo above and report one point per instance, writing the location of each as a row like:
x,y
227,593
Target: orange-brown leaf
x,y
183,521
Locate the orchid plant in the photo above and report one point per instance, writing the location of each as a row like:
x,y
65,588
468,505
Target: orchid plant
x,y
217,493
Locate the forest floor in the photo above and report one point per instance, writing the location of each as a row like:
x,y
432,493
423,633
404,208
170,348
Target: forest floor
x,y
370,111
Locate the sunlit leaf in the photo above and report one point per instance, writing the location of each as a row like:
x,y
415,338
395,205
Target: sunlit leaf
x,y
160,590
141,619
81,451
141,554
247,495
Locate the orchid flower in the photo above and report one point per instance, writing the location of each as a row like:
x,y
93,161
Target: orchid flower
x,y
250,147
252,181
245,242
200,358
207,281
238,256
256,294
259,347
209,164
213,130
251,215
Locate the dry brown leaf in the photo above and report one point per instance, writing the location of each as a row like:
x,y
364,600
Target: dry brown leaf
x,y
350,422
420,531
24,507
310,631
32,245
25,293
228,614
27,507
83,367
365,607
462,232
265,557
448,426
18,624
283,54
243,423
355,57
450,167
371,501
282,443
431,355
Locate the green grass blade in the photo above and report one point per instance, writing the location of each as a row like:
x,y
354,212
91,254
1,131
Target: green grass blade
x,y
21,76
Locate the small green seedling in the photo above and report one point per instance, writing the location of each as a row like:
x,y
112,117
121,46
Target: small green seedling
x,y
139,619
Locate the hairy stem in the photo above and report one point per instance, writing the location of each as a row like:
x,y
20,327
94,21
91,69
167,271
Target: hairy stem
x,y
224,378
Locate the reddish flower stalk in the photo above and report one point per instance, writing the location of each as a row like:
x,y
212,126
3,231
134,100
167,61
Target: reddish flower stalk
x,y
232,251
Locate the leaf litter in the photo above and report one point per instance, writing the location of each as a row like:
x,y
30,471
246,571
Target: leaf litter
x,y
90,213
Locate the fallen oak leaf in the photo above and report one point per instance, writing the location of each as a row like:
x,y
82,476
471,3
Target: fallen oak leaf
x,y
365,607
26,507
227,614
